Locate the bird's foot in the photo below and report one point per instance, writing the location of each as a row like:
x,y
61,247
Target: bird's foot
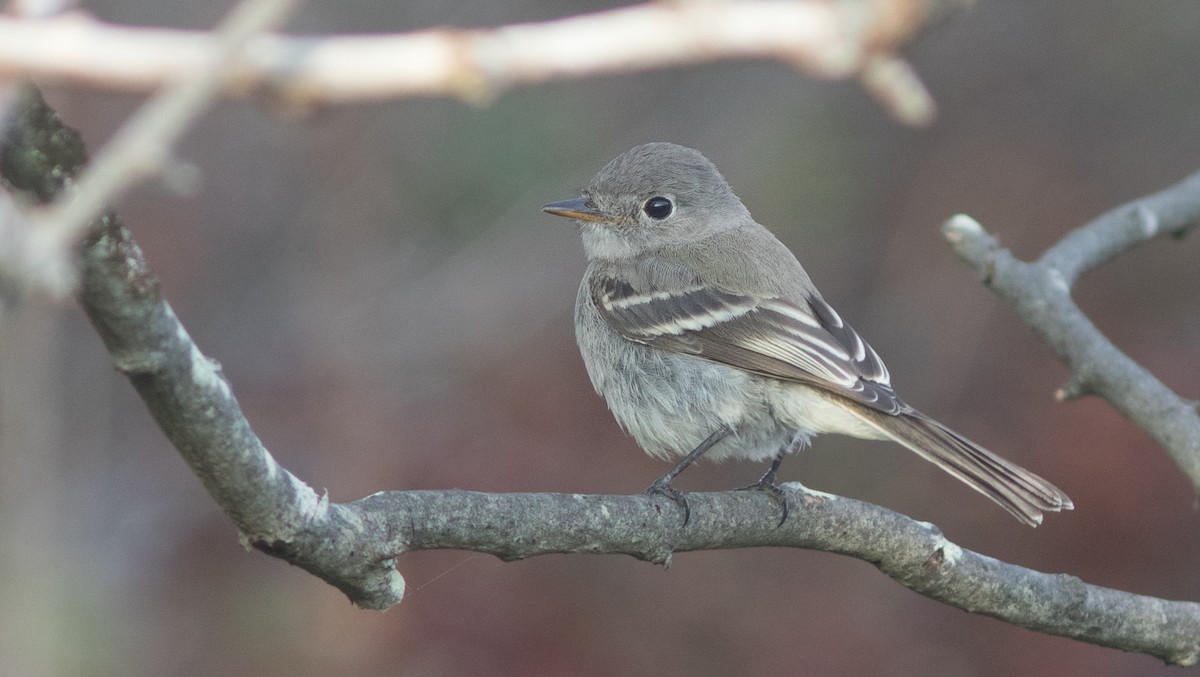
x,y
783,497
662,487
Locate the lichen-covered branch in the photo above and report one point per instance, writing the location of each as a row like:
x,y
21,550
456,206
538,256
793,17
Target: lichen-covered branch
x,y
514,526
1040,292
354,546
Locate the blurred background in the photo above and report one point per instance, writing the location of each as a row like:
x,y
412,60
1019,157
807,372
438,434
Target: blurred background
x,y
394,312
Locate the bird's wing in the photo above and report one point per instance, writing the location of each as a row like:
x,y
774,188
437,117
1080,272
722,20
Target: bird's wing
x,y
805,342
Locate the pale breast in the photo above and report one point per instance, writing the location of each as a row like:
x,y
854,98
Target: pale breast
x,y
669,403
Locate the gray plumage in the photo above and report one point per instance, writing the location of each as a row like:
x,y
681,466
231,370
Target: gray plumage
x,y
693,319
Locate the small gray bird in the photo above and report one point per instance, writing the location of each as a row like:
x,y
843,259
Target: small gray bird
x,y
705,336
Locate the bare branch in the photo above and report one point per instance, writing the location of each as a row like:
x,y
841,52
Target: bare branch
x,y
143,146
1041,294
515,526
354,545
39,7
1172,211
828,39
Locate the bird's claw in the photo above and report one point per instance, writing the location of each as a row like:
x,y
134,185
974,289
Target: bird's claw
x,y
782,496
662,487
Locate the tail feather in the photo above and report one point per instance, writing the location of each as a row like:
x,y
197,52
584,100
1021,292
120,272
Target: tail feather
x,y
1014,488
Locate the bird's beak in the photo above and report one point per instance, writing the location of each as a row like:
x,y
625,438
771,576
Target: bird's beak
x,y
576,208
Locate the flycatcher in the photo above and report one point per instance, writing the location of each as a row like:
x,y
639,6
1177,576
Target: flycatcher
x,y
705,336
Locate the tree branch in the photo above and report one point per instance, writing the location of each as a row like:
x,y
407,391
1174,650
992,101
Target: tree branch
x,y
1040,292
514,526
354,545
142,148
39,247
829,39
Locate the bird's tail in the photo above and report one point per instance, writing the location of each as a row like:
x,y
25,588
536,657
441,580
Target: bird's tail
x,y
1014,488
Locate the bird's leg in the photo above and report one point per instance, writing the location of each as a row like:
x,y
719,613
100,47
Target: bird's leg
x,y
662,485
766,484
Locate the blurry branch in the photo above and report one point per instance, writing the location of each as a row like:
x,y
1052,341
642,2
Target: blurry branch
x,y
23,263
838,39
1040,292
354,546
834,39
141,149
39,7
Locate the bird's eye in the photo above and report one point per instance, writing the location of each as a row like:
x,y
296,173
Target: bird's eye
x,y
658,208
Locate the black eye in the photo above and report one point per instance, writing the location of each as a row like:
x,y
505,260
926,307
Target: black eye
x,y
658,208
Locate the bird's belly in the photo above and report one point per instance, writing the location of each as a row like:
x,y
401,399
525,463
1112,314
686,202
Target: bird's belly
x,y
670,403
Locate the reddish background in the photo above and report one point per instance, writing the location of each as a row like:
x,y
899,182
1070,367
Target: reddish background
x,y
394,312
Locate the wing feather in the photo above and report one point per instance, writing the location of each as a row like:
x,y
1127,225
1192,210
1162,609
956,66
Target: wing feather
x,y
775,337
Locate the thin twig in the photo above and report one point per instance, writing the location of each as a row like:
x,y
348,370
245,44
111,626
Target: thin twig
x,y
1040,292
143,146
1172,211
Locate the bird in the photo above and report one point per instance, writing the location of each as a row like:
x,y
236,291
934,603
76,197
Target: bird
x,y
706,337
